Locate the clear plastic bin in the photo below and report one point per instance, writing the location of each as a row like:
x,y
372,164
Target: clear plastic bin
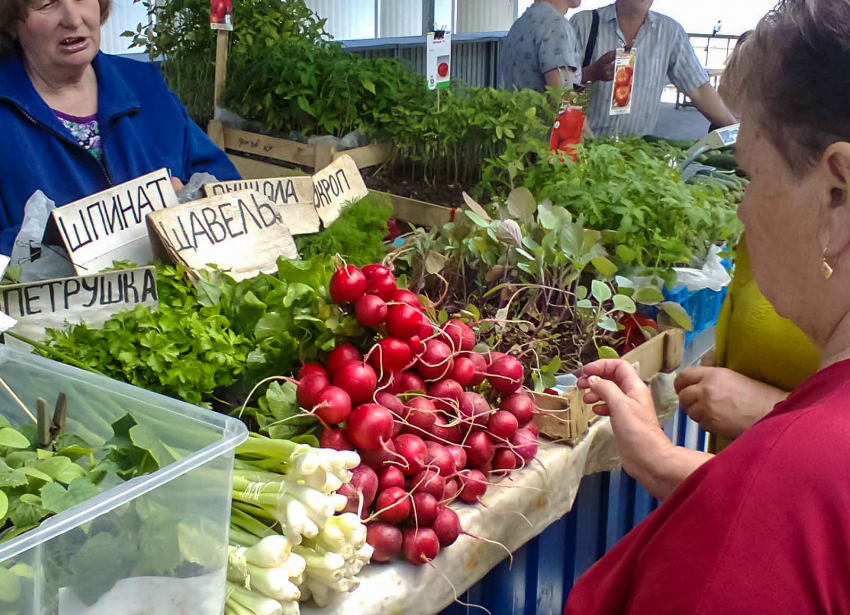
x,y
154,545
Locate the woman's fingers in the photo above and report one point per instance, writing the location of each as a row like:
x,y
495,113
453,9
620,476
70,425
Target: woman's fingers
x,y
690,377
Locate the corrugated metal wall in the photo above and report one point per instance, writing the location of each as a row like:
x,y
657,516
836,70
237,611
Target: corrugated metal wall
x,y
347,19
484,15
125,15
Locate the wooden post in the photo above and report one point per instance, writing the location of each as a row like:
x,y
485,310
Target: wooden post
x,y
222,40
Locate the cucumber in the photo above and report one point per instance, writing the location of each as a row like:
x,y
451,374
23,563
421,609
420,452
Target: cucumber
x,y
721,161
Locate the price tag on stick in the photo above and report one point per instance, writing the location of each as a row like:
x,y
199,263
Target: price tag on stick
x,y
439,60
221,15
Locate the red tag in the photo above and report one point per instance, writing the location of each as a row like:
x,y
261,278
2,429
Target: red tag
x,y
221,14
567,132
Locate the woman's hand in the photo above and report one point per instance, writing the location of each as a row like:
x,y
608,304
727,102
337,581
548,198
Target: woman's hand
x,y
724,402
647,453
628,401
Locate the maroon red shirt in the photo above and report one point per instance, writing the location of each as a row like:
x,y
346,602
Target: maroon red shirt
x,y
763,528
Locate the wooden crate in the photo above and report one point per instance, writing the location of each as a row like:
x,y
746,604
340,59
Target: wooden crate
x,y
569,418
312,157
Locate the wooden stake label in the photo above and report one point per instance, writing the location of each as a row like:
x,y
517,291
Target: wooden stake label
x,y
337,186
93,299
110,226
293,197
239,232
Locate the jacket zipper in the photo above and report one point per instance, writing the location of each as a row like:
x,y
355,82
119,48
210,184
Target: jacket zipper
x,y
101,162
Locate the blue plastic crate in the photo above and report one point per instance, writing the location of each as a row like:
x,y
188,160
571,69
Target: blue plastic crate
x,y
702,306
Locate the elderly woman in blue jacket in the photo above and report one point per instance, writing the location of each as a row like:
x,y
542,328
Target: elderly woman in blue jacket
x,y
75,121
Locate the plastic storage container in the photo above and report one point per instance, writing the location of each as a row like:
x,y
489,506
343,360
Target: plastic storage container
x,y
152,545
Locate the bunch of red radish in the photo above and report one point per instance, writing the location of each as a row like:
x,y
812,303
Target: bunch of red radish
x,y
417,408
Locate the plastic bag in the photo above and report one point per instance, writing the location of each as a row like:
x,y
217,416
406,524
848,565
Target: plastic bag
x,y
39,262
194,190
713,274
350,141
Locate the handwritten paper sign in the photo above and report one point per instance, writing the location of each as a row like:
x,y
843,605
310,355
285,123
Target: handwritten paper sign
x,y
110,226
94,299
293,197
239,232
336,186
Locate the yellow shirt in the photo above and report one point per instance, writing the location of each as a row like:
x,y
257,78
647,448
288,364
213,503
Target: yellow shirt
x,y
753,340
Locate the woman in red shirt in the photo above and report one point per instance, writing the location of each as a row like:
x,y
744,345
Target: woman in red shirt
x,y
763,527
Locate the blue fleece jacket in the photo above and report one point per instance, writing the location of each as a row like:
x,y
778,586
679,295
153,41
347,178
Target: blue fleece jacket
x,y
143,127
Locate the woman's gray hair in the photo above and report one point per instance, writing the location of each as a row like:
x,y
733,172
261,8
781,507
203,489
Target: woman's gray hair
x,y
794,70
16,11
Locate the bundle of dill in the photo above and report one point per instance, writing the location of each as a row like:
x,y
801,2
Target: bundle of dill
x,y
357,235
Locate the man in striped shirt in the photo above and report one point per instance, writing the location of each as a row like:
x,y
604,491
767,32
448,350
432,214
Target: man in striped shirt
x,y
663,51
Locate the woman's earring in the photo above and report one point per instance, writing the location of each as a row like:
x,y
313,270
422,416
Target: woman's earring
x,y
825,268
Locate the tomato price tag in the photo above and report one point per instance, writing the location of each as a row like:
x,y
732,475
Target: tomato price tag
x,y
439,60
221,14
624,79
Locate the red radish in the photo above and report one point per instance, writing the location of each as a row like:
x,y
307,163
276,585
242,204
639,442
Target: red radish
x,y
480,412
369,426
521,406
480,449
421,545
447,394
358,380
506,375
402,295
390,354
312,368
446,526
504,461
403,321
421,415
463,371
492,357
391,402
451,490
462,336
415,345
428,481
347,285
412,382
333,406
533,429
335,439
386,540
377,458
397,428
341,355
436,361
440,459
459,455
371,271
309,388
371,310
382,285
439,433
502,425
412,448
363,486
525,444
481,364
391,382
424,509
390,477
473,486
398,500
426,328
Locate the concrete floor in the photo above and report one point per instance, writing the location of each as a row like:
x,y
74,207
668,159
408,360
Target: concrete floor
x,y
685,123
